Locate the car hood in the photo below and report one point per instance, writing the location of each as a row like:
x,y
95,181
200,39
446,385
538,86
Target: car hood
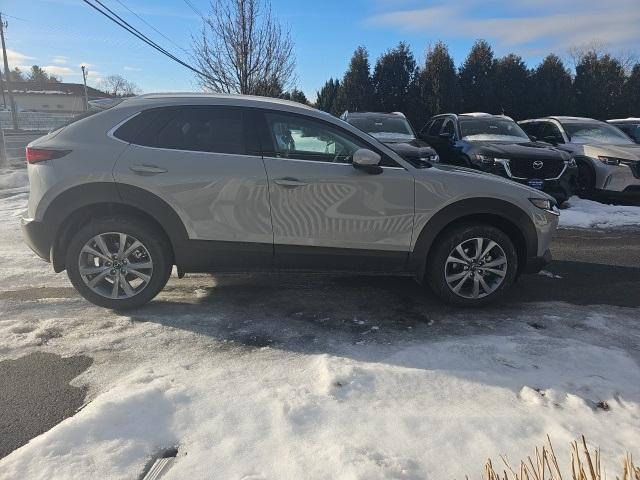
x,y
487,177
412,148
525,149
626,152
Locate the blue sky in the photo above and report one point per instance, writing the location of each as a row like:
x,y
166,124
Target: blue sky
x,y
62,34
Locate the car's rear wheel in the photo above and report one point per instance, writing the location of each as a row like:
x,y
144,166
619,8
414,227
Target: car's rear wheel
x,y
118,263
472,265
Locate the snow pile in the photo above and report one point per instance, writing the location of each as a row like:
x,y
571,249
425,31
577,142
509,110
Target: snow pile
x,y
423,406
13,181
583,213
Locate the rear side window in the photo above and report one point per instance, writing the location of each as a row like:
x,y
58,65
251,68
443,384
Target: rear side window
x,y
434,129
131,130
194,128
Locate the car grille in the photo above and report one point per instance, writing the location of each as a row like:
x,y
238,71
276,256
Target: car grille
x,y
524,168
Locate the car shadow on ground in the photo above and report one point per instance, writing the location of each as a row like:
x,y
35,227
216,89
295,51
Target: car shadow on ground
x,y
324,313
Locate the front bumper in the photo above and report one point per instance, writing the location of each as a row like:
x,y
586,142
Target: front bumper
x,y
618,178
535,264
37,236
561,187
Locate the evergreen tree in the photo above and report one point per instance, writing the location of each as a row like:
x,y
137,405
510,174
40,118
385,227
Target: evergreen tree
x,y
475,79
437,84
631,93
393,79
598,86
298,96
356,91
510,86
39,76
326,96
550,88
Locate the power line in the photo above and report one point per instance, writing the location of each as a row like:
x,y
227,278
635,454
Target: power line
x,y
123,23
151,26
195,10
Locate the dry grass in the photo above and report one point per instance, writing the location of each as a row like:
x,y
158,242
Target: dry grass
x,y
585,465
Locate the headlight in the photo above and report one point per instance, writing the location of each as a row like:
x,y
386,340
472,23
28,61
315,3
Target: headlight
x,y
571,162
542,203
609,160
487,160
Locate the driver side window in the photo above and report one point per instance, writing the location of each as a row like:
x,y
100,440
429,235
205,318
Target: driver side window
x,y
449,128
551,132
302,139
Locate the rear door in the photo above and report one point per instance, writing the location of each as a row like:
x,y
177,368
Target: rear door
x,y
205,163
326,214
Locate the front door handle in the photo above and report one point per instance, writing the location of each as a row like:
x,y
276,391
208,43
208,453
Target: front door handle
x,y
147,169
289,182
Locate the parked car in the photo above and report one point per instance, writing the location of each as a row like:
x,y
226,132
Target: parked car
x,y
395,131
215,183
630,126
608,160
496,144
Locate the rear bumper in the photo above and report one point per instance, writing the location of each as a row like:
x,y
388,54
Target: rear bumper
x,y
37,236
535,264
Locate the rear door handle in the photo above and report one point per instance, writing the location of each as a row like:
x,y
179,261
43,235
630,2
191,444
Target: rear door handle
x,y
147,169
290,182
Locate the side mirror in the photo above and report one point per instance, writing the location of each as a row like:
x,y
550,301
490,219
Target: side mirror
x,y
367,160
533,138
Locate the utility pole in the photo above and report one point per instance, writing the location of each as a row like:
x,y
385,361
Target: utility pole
x,y
7,75
86,95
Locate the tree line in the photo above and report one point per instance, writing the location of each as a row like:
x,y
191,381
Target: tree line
x,y
601,86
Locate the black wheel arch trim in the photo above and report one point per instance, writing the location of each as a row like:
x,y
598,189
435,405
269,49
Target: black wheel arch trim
x,y
511,217
60,213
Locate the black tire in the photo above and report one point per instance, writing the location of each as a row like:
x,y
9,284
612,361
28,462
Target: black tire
x,y
153,239
445,244
586,181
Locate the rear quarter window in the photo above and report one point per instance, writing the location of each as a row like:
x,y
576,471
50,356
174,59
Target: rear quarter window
x,y
193,128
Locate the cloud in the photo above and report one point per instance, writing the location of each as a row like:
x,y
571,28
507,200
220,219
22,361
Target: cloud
x,y
548,23
59,59
131,69
16,57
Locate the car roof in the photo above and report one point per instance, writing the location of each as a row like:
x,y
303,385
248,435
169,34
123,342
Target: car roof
x,y
179,98
376,114
472,115
624,120
562,118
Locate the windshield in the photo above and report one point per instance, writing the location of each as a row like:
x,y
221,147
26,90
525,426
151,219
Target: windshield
x,y
591,132
500,129
384,127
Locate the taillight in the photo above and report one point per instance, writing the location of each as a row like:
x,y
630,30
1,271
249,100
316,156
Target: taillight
x,y
35,155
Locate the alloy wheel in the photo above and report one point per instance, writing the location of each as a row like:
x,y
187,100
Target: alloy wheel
x,y
115,265
475,268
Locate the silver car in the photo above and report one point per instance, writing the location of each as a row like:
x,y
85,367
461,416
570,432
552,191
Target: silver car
x,y
608,160
215,183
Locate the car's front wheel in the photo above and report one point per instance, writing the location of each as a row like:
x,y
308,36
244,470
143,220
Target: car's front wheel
x,y
118,263
472,265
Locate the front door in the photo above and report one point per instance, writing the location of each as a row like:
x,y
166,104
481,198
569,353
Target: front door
x,y
326,214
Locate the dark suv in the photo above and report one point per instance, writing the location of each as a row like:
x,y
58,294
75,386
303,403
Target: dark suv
x,y
496,144
395,131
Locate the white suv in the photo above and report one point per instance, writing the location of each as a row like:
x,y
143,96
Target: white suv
x,y
608,160
215,183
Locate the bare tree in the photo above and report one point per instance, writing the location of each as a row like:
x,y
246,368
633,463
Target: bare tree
x,y
118,86
627,57
243,49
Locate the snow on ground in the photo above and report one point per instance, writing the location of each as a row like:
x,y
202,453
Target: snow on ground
x,y
582,213
248,395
